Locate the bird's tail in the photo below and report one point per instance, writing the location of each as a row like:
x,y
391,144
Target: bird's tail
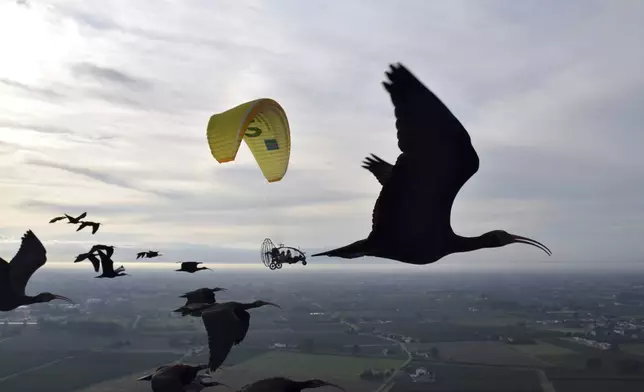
x,y
352,251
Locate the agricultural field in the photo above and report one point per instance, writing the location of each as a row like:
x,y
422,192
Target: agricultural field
x,y
78,371
542,348
322,337
491,353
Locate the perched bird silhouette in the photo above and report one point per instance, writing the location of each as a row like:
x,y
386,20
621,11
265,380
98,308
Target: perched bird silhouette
x,y
108,267
15,275
202,295
179,377
70,219
191,266
85,224
227,324
411,217
283,384
149,254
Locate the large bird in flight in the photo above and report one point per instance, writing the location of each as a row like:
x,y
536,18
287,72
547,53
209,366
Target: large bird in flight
x,y
15,275
411,217
178,378
283,384
227,324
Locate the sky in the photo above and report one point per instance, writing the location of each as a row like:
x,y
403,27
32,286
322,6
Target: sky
x,y
104,106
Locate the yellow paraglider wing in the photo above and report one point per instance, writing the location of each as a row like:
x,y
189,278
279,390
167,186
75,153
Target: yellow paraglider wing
x,y
263,125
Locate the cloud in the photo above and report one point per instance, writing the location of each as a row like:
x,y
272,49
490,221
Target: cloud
x,y
554,113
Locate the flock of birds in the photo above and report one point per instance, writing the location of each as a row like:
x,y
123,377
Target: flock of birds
x,y
410,223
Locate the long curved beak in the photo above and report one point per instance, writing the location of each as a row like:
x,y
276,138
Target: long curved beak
x,y
145,378
64,299
272,304
525,240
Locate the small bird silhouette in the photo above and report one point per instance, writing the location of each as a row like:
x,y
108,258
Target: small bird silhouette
x,y
15,275
85,224
191,266
69,218
149,254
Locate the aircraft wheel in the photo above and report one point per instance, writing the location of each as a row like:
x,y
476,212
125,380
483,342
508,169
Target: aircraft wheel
x,y
303,262
272,266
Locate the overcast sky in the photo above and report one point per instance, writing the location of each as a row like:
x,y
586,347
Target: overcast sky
x,y
104,106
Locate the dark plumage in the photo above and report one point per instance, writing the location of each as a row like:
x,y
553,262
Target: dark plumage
x,y
70,219
176,378
108,267
283,384
102,250
93,225
15,275
411,217
194,309
191,266
202,295
149,254
227,324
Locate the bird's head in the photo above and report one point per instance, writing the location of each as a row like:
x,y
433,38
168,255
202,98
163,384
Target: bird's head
x,y
317,383
47,297
497,238
260,303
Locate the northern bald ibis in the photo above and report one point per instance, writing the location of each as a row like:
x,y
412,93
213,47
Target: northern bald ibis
x,y
411,217
227,324
283,384
108,267
191,266
70,219
179,377
107,250
93,225
202,295
15,275
149,254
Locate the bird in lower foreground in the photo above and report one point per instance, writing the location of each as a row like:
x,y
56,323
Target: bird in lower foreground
x,y
108,267
149,254
227,324
411,217
84,224
15,275
70,219
283,384
178,377
191,266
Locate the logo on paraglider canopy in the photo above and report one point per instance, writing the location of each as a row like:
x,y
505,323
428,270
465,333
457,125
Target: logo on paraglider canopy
x,y
253,131
271,144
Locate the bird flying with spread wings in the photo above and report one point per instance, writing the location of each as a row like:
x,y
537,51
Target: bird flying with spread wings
x,y
70,219
179,377
411,219
93,225
15,275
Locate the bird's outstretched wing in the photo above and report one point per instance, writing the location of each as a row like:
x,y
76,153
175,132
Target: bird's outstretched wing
x,y
30,256
56,219
82,226
81,216
95,261
106,250
378,167
223,329
437,159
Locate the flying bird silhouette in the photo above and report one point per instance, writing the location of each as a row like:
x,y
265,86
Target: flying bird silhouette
x,y
283,384
149,254
69,218
107,250
191,266
178,378
411,217
85,224
15,275
108,267
202,295
194,309
227,324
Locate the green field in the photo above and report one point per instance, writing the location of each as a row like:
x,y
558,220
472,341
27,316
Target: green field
x,y
491,353
541,348
636,348
301,365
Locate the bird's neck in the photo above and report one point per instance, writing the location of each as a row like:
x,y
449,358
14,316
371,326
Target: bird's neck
x,y
461,244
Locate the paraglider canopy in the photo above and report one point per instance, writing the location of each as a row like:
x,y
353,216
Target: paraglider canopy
x,y
263,125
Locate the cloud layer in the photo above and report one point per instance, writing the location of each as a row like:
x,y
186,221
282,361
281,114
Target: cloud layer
x,y
104,107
